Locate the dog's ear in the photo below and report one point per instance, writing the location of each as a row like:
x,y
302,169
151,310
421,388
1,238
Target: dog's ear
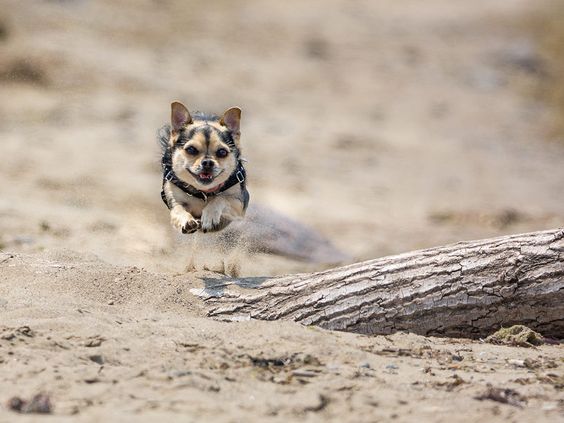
x,y
179,116
232,119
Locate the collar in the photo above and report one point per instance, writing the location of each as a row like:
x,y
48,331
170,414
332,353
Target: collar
x,y
237,177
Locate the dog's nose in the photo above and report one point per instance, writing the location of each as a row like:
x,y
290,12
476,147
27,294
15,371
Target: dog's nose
x,y
207,163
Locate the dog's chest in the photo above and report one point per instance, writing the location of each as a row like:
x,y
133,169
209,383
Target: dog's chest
x,y
193,204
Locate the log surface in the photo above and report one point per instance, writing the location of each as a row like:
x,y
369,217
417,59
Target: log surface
x,y
467,289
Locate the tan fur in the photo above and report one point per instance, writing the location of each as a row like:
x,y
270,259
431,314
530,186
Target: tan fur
x,y
223,166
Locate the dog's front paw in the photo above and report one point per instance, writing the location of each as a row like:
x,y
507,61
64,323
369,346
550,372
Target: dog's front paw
x,y
191,226
212,219
183,221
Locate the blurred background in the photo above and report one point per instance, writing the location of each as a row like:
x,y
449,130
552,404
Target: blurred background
x,y
386,126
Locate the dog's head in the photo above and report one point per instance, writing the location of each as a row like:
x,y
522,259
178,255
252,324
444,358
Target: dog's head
x,y
205,148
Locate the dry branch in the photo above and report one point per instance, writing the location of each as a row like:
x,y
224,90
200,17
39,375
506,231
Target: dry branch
x,y
468,289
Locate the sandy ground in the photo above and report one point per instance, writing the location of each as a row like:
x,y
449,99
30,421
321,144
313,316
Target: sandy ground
x,y
386,126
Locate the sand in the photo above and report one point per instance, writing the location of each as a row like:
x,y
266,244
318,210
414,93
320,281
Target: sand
x,y
385,126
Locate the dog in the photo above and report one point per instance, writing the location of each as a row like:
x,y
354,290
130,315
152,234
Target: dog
x,y
204,180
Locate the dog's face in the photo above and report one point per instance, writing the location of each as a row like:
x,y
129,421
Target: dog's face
x,y
204,148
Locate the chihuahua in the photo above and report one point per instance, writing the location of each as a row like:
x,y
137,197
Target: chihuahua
x,y
204,181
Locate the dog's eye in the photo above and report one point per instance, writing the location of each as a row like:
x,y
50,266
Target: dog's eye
x,y
222,152
192,150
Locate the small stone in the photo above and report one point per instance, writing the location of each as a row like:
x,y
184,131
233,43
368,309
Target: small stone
x,y
516,363
39,404
97,358
303,373
15,404
94,341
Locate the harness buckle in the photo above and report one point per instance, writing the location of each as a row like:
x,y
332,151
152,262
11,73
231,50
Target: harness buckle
x,y
168,176
240,177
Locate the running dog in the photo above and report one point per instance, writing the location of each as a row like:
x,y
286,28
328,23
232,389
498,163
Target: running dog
x,y
204,180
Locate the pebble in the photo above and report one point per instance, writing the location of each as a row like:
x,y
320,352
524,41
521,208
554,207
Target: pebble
x,y
516,363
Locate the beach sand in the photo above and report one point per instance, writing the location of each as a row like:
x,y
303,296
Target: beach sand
x,y
384,126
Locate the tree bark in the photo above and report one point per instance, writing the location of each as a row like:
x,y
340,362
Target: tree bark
x,y
468,289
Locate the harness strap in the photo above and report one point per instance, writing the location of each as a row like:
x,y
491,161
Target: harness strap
x,y
237,177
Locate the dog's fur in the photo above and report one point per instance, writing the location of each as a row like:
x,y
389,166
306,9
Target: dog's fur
x,y
204,152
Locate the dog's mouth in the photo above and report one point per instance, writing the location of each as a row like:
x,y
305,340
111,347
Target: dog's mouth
x,y
205,177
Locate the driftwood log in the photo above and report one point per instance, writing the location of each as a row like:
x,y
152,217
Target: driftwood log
x,y
468,289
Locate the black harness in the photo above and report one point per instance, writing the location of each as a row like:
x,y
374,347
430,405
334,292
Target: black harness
x,y
237,177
